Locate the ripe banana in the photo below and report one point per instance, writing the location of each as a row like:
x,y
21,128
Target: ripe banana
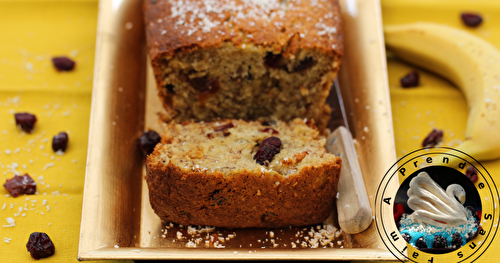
x,y
469,62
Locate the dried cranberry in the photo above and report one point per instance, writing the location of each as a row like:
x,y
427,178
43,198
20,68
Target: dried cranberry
x,y
206,87
204,84
471,173
411,79
271,130
439,242
267,150
60,142
40,246
304,64
26,121
20,184
434,137
148,141
63,63
471,19
272,61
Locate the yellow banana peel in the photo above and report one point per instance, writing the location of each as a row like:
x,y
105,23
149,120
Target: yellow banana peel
x,y
466,60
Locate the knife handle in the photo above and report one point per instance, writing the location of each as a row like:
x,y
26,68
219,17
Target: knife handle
x,y
353,206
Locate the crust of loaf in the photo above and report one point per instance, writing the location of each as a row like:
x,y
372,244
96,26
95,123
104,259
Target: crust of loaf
x,y
165,37
244,199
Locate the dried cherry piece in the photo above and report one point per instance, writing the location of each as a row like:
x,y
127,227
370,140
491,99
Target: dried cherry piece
x,y
271,130
63,63
170,88
272,61
20,184
439,242
434,137
307,63
148,141
204,84
471,173
60,142
471,19
40,246
411,79
26,121
206,87
267,150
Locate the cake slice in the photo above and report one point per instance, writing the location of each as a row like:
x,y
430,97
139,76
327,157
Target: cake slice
x,y
244,59
238,174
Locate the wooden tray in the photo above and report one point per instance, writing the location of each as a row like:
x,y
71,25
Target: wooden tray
x,y
117,220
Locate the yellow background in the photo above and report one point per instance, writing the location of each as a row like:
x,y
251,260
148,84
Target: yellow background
x,y
436,103
34,31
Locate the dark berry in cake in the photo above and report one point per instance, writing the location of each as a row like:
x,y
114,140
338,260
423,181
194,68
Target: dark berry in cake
x,y
456,240
421,243
148,141
439,242
406,237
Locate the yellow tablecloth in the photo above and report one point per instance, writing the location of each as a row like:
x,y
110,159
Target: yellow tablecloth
x,y
34,31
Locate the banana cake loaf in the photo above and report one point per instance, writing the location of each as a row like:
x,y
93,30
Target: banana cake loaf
x,y
238,174
244,59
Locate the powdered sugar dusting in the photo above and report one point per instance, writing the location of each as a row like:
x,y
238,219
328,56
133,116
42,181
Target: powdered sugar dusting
x,y
218,17
196,15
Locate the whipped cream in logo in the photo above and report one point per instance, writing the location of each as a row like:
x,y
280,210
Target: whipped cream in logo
x,y
432,205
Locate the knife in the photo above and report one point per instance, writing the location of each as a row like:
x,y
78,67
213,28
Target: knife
x,y
353,207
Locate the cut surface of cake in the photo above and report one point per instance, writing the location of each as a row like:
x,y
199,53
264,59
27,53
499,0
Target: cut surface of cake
x,y
249,59
238,174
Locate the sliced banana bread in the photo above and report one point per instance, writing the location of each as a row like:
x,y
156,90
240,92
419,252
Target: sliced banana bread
x,y
237,174
244,59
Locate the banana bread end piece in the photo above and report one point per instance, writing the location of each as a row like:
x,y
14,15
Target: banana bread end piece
x,y
207,174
